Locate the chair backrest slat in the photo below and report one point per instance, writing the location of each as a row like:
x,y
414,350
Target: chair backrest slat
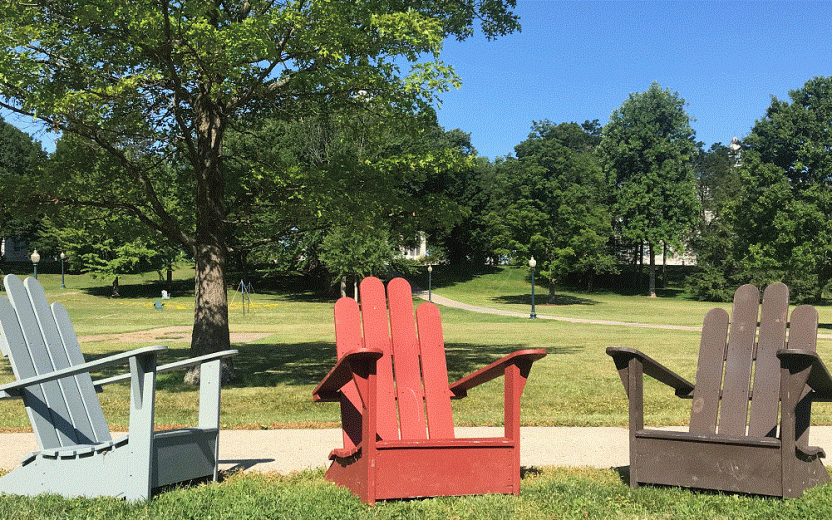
x,y
765,396
435,372
733,413
347,338
78,391
409,390
34,399
95,414
705,405
414,399
377,335
31,359
803,334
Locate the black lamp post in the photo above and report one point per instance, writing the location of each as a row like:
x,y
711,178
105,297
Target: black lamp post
x,y
430,281
63,257
35,259
532,264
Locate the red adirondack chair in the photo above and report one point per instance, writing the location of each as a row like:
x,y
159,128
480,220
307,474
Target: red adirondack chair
x,y
399,440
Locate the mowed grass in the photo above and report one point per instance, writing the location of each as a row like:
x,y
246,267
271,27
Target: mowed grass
x,y
546,493
575,385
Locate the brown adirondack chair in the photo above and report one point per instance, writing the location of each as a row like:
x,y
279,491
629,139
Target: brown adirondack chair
x,y
418,454
734,443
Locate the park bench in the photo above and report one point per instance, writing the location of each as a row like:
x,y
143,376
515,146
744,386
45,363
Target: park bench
x,y
76,454
399,439
733,443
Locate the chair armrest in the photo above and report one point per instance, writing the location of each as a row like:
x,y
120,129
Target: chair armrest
x,y
819,379
14,389
460,388
176,365
622,356
328,390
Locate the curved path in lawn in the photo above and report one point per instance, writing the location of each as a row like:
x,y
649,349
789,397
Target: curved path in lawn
x,y
447,302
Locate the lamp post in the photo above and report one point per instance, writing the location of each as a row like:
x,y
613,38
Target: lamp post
x,y
532,263
35,259
63,257
430,281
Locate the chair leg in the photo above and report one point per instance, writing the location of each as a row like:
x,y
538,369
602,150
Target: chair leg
x,y
142,404
209,402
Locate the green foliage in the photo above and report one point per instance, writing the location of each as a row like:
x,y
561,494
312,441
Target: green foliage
x,y
382,172
549,203
647,151
20,158
348,251
157,86
776,224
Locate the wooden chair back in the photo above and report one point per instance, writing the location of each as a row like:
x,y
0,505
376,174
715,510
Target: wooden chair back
x,y
738,380
40,339
418,405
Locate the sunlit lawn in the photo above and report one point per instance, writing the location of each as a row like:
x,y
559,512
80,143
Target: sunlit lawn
x,y
575,385
546,493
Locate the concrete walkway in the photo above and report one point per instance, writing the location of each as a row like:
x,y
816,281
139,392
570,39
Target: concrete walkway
x,y
285,451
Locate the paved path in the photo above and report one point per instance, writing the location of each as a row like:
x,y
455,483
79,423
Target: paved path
x,y
447,302
284,451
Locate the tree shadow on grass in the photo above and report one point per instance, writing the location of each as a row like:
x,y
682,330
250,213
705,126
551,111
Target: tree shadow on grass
x,y
185,288
144,290
300,364
543,299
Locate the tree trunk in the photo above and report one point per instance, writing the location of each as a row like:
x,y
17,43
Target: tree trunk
x,y
343,287
664,265
652,270
552,296
355,288
210,332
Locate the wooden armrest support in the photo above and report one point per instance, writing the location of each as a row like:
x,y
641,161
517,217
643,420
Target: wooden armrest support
x,y
496,369
328,389
13,389
176,365
622,356
819,380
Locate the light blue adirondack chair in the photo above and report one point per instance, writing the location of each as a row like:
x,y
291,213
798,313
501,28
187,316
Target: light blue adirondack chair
x,y
77,456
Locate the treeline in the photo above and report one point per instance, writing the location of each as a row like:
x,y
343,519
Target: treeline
x,y
336,195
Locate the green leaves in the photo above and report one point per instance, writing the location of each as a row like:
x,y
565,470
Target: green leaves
x,y
647,151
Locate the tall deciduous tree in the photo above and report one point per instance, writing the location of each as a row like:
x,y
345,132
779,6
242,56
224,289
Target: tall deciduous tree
x,y
160,81
550,203
782,218
20,157
647,150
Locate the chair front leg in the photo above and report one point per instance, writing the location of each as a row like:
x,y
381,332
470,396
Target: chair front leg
x,y
210,387
140,444
634,376
793,376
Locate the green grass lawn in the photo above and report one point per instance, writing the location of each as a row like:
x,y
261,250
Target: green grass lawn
x,y
575,385
547,493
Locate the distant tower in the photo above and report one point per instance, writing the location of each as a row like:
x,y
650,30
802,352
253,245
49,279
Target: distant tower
x,y
735,151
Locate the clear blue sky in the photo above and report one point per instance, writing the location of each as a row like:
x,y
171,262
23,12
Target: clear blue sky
x,y
579,60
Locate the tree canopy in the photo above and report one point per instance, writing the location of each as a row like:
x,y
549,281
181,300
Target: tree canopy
x,y
157,83
647,150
